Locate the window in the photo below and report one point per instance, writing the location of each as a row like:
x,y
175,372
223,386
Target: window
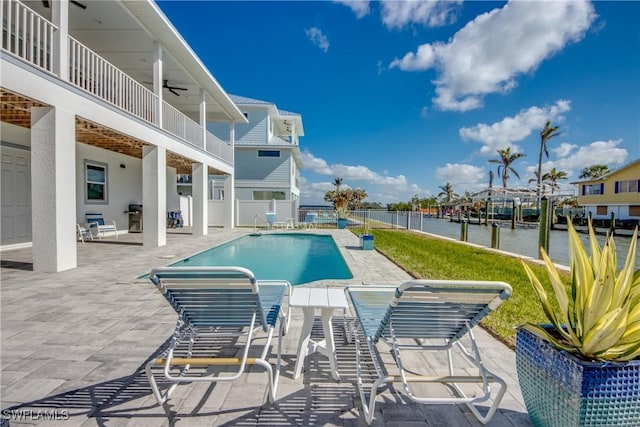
x,y
627,186
268,153
268,195
601,210
95,177
246,115
589,189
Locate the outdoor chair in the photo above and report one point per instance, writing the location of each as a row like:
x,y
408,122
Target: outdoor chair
x,y
272,221
218,304
98,226
427,315
83,232
310,220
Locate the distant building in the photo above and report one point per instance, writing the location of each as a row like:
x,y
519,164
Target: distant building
x,y
267,152
617,192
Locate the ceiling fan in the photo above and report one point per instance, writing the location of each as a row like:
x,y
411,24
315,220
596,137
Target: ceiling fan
x,y
172,89
46,4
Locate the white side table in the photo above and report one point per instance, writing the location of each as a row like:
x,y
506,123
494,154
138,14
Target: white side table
x,y
326,299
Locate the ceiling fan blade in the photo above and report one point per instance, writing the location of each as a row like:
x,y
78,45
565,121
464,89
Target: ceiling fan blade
x,y
173,91
77,3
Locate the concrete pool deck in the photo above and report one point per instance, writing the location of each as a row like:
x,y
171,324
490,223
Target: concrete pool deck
x,y
74,344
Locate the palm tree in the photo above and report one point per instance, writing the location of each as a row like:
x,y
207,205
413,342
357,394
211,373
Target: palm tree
x,y
505,161
337,182
594,171
545,134
542,186
552,178
447,192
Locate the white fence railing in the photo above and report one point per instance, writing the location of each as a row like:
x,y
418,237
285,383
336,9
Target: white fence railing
x,y
91,72
176,123
219,148
30,36
27,34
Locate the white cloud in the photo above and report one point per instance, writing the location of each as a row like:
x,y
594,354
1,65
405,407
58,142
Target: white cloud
x,y
359,7
317,38
490,52
421,60
462,177
512,129
564,149
598,152
398,14
380,187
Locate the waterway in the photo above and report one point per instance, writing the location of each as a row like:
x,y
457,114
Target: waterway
x,y
524,241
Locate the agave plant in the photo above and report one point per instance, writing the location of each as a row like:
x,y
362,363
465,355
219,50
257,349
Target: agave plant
x,y
599,316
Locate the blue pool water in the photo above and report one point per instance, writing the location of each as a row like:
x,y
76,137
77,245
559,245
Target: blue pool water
x,y
298,258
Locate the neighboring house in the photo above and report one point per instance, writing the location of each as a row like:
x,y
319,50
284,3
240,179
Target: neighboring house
x,y
617,192
103,106
267,153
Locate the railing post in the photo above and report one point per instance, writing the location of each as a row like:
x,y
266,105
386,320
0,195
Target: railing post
x,y
612,227
495,236
513,215
60,45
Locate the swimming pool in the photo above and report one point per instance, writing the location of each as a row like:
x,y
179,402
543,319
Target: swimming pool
x,y
298,258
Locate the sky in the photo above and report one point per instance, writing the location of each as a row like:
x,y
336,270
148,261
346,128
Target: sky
x,y
399,98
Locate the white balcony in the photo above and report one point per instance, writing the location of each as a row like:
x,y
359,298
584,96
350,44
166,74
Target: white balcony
x,y
30,36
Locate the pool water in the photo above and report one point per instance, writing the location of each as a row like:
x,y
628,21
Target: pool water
x,y
298,258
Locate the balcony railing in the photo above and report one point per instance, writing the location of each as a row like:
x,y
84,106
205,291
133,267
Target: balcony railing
x,y
30,37
27,34
176,123
219,148
91,72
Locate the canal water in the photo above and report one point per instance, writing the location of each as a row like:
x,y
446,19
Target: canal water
x,y
524,241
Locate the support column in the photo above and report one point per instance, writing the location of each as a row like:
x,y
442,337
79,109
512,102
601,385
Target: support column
x,y
154,196
158,80
229,184
200,202
53,189
203,118
60,18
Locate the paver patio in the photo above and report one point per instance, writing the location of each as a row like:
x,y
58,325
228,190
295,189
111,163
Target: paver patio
x,y
75,344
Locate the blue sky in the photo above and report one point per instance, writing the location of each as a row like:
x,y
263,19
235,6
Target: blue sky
x,y
399,98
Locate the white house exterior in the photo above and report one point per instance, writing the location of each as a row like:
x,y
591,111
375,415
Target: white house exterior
x,y
103,105
267,153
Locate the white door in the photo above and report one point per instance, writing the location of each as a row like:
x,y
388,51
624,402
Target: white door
x,y
16,196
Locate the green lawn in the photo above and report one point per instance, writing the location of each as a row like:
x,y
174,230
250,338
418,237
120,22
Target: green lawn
x,y
425,257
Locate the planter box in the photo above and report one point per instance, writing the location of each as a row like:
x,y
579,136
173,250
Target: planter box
x,y
366,242
560,389
342,223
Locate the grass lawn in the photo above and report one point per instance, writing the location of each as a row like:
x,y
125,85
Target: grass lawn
x,y
426,257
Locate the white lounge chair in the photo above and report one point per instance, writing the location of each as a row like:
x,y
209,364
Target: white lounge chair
x,y
272,221
218,303
83,232
427,315
310,220
98,226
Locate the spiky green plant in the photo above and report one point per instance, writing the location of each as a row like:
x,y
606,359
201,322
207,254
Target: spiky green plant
x,y
599,315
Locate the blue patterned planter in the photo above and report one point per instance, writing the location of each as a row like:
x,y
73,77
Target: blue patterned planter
x,y
561,390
